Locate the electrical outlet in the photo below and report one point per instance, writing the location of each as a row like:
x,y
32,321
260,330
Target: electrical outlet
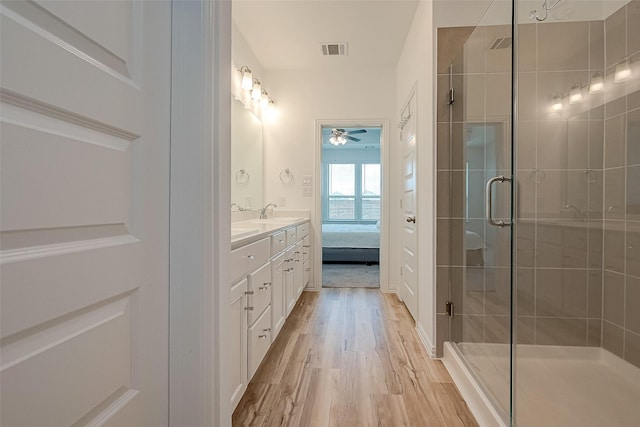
x,y
307,180
306,192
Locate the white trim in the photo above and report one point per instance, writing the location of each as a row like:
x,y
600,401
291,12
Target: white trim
x,y
200,215
479,404
317,206
44,251
426,342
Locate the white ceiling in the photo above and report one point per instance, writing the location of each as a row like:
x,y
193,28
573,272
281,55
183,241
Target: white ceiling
x,y
286,35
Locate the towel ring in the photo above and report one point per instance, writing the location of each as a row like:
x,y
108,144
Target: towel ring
x,y
286,177
242,176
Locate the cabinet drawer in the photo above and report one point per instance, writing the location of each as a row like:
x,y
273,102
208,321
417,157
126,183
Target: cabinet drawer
x,y
248,258
306,248
278,242
302,230
259,285
259,341
291,236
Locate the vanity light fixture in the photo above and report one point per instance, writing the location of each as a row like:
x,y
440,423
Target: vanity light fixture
x,y
556,104
264,100
247,78
597,83
575,95
623,72
256,93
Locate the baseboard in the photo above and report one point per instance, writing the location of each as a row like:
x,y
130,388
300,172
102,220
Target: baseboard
x,y
426,342
481,407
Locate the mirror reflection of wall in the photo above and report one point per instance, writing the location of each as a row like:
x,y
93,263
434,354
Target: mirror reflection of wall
x,y
246,157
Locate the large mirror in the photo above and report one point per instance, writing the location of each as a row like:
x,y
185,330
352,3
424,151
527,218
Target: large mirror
x,y
246,157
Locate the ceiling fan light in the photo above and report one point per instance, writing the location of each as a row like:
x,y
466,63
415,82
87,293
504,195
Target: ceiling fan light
x,y
247,78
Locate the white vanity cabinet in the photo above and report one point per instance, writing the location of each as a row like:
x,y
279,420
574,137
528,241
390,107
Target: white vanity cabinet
x,y
268,277
278,308
238,341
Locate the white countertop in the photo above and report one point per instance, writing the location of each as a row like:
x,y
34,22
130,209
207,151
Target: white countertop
x,y
249,231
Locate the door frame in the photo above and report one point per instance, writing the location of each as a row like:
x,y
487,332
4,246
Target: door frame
x,y
384,199
200,217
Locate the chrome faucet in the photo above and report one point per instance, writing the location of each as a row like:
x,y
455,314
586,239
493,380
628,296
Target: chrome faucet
x,y
240,208
263,211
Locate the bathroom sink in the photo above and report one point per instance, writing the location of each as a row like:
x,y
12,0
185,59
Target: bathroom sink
x,y
237,232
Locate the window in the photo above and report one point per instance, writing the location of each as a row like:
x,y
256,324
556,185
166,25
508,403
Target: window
x,y
353,192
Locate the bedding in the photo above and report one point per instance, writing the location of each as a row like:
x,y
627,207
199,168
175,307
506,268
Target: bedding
x,y
350,236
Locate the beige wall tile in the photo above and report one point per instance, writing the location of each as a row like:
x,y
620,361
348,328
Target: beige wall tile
x,y
563,46
551,331
613,304
632,348
615,37
561,293
612,338
632,304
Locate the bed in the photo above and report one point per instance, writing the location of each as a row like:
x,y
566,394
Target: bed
x,y
350,243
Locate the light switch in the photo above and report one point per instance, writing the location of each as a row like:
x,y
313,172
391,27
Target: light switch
x,y
307,180
282,201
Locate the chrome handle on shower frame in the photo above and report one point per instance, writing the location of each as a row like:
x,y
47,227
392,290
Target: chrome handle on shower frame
x,y
489,201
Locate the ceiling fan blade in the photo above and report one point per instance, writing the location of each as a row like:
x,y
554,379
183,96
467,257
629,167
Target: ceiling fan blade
x,y
351,132
352,138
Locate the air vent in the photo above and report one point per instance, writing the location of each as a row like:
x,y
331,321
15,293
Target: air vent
x,y
501,43
334,49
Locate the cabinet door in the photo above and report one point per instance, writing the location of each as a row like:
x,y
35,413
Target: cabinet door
x,y
306,266
259,342
278,303
259,287
298,271
238,342
289,282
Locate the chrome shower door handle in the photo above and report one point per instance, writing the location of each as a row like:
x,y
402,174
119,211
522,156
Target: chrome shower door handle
x,y
489,201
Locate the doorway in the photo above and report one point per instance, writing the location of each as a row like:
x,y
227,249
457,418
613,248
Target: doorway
x,y
351,242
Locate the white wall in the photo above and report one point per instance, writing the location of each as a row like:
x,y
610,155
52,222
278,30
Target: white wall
x,y
417,66
302,97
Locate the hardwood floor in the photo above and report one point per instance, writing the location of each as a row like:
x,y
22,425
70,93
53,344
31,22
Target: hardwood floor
x,y
350,357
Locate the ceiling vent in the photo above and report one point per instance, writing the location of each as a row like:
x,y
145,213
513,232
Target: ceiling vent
x,y
334,49
501,43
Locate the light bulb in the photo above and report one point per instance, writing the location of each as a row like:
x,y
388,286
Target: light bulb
x,y
575,95
247,78
556,104
623,72
597,83
256,93
264,101
333,140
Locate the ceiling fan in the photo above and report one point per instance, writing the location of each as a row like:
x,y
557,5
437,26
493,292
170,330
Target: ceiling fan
x,y
340,136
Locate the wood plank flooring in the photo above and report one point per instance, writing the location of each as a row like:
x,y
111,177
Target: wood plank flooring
x,y
350,357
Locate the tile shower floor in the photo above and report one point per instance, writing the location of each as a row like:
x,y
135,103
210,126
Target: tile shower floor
x,y
560,386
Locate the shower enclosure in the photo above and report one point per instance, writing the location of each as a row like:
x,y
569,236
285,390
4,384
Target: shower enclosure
x,y
538,245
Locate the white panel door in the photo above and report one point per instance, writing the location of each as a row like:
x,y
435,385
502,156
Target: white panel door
x,y
84,131
408,290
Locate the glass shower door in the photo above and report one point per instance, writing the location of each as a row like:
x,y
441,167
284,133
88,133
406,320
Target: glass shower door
x,y
480,210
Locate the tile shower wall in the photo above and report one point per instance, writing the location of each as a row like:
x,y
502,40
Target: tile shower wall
x,y
578,234
621,204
